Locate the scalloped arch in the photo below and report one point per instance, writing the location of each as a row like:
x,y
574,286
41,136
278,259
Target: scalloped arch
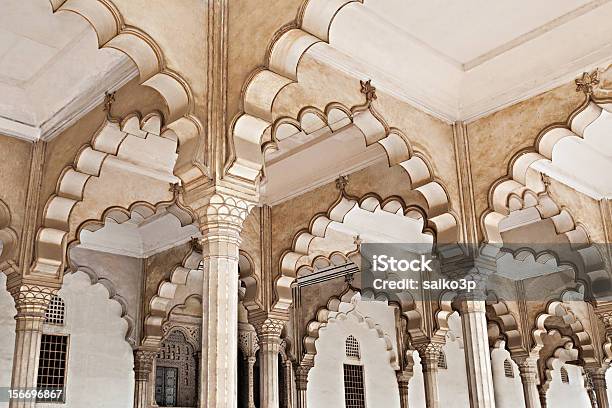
x,y
332,312
438,224
8,236
255,131
112,32
526,187
497,311
112,295
581,339
185,281
108,140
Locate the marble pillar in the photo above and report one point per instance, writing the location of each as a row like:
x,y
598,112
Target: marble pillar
x,y
31,302
251,380
221,221
269,332
403,381
598,382
143,372
477,357
528,369
542,391
289,382
430,353
301,382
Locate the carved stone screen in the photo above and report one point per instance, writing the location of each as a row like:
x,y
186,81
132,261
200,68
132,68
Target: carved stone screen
x,y
176,379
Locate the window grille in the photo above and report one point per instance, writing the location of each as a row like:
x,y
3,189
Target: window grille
x,y
55,311
564,376
352,347
354,393
442,360
508,370
52,364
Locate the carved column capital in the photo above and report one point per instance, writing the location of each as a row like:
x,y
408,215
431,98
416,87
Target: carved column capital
x,y
247,341
143,363
596,377
301,376
528,369
32,300
430,354
403,378
222,214
270,329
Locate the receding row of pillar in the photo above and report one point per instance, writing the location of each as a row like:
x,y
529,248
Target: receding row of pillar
x,y
220,242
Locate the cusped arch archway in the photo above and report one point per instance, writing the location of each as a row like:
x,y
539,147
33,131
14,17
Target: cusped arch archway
x,y
319,246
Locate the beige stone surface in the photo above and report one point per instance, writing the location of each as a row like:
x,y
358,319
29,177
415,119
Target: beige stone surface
x,y
496,139
15,170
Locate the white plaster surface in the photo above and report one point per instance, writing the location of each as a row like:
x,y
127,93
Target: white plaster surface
x,y
100,362
325,380
7,335
508,391
568,395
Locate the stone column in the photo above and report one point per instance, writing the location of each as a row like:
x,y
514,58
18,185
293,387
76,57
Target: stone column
x,y
250,380
289,382
143,369
269,332
31,302
301,382
477,357
221,217
542,390
248,345
403,380
529,378
430,353
598,381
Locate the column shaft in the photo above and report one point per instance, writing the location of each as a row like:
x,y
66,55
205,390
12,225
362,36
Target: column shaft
x,y
477,357
301,382
221,218
289,382
143,367
430,353
269,347
250,381
598,379
529,380
219,324
542,392
31,303
403,380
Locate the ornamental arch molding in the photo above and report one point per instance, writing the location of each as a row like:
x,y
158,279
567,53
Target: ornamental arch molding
x,y
118,215
497,311
559,316
256,131
186,280
526,187
8,238
302,257
124,142
94,278
113,32
333,311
